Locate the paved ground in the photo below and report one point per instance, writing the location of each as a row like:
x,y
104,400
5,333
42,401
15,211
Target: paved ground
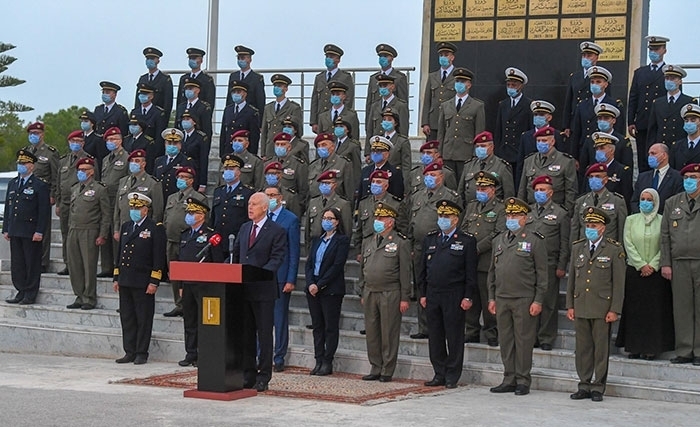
x,y
62,391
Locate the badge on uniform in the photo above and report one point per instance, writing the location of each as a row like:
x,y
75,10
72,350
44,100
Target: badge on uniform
x,y
238,197
550,217
524,247
456,246
247,166
491,214
608,206
614,178
28,190
142,189
89,193
64,169
43,159
201,238
603,259
145,234
554,168
119,163
288,171
391,247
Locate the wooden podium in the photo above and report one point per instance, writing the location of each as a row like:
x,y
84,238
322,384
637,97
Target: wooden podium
x,y
221,326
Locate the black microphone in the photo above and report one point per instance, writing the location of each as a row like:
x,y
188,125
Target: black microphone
x,y
214,240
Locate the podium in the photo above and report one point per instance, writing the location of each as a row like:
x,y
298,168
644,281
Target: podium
x,y
221,325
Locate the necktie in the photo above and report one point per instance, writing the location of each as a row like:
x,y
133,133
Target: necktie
x,y
324,201
181,196
329,76
144,111
229,189
133,181
511,237
444,75
242,75
691,144
150,77
253,235
111,157
72,159
592,250
106,109
653,67
235,110
335,115
544,160
670,100
512,105
22,181
170,159
540,209
383,105
189,105
595,199
271,215
379,240
82,187
430,194
324,163
185,139
459,104
595,102
445,238
482,165
193,76
277,108
691,203
655,180
191,233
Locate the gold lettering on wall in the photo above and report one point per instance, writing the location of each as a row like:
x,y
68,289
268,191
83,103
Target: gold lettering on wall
x,y
575,28
510,29
450,31
480,8
447,9
478,30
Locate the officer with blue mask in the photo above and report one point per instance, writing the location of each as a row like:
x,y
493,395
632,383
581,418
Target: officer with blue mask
x,y
348,147
252,169
255,81
109,113
666,180
300,147
400,153
321,94
194,146
619,175
513,117
153,117
578,88
94,144
379,155
438,89
328,198
686,150
338,92
542,114
374,124
328,159
161,82
429,153
229,208
599,196
195,58
199,110
291,183
167,166
386,54
665,119
240,115
274,114
137,139
484,159
607,116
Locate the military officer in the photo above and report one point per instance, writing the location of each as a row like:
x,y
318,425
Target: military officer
x,y
647,85
400,153
161,82
374,122
240,115
255,81
429,153
328,198
385,288
484,159
274,173
365,214
274,113
137,274
594,294
109,113
553,222
26,218
607,116
379,154
293,174
386,55
326,119
321,96
206,82
197,145
665,120
154,118
599,197
578,88
66,178
551,162
328,159
422,219
301,146
512,118
484,218
517,285
90,218
619,175
253,166
94,144
448,284
460,119
199,111
138,140
686,150
347,147
166,166
439,88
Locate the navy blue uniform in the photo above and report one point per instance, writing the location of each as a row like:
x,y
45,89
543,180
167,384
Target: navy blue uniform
x,y
156,121
116,117
680,154
197,146
256,89
200,112
230,210
585,122
143,142
166,172
665,121
163,95
248,118
647,85
623,152
395,181
510,125
207,88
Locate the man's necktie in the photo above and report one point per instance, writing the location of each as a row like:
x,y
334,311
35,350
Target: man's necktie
x,y
379,240
430,194
82,187
133,181
444,75
445,238
150,77
540,209
335,115
277,108
271,215
329,76
242,75
691,204
653,67
595,199
22,181
512,105
106,109
193,76
191,233
170,159
229,189
655,180
383,105
324,163
459,104
72,159
595,102
111,157
189,105
592,250
511,237
144,111
324,201
671,100
253,235
482,165
544,160
235,109
691,144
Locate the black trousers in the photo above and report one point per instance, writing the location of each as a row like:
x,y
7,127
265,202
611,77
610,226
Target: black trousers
x,y
136,309
445,317
325,322
258,324
642,150
191,313
25,266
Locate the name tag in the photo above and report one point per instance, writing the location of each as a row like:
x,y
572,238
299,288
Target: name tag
x,y
142,188
456,247
391,247
603,259
554,168
608,206
145,234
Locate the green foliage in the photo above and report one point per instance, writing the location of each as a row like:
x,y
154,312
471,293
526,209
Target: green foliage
x,y
58,125
12,138
9,81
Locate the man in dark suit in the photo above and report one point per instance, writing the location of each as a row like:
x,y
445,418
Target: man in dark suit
x,y
137,139
541,117
578,88
198,110
647,85
255,82
261,243
206,82
153,116
166,167
197,145
26,217
240,115
513,118
137,274
685,150
665,120
161,83
662,178
109,113
287,273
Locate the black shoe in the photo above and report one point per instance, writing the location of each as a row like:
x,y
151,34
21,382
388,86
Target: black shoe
x,y
326,369
435,382
249,385
74,305
651,356
472,340
370,377
140,360
105,274
503,388
580,395
316,368
44,270
187,362
681,359
15,300
696,361
385,379
63,272
546,347
128,358
363,332
450,385
27,301
279,367
174,312
87,306
260,386
309,326
492,342
537,344
596,396
522,390
633,356
419,336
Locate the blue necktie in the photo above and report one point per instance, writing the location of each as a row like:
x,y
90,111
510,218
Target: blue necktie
x,y
655,180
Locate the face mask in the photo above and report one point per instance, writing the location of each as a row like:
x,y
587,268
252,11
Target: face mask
x,y
323,152
586,63
444,224
228,175
271,179
22,169
592,234
327,224
600,156
339,131
335,100
134,167
482,196
192,63
237,146
426,159
135,215
106,98
596,89
542,147
654,56
190,219
595,183
604,126
288,130
383,61
460,87
541,197
376,157
143,98
690,127
429,181
272,206
646,206
171,150
111,146
330,63
181,184
242,64
33,138
280,151
236,98
512,92
82,176
376,189
324,188
481,152
690,185
378,226
539,121
387,126
444,61
85,126
383,91
277,91
653,162
150,63
187,124
134,129
512,224
74,146
670,85
189,93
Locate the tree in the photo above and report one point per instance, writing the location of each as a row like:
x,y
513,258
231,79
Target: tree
x,y
58,125
12,135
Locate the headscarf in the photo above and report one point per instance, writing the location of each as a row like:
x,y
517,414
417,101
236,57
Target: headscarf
x,y
649,217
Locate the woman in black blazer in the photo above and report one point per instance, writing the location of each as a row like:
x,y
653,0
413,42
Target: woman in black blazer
x,y
325,287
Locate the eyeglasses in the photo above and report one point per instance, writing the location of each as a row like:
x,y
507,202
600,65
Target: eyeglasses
x,y
274,195
329,218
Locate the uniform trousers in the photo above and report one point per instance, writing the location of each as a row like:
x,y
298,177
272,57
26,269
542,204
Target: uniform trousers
x,y
383,327
82,264
517,332
281,321
444,312
191,312
172,252
418,267
549,318
592,352
25,266
325,322
136,313
642,150
111,246
685,285
63,221
46,247
479,311
258,324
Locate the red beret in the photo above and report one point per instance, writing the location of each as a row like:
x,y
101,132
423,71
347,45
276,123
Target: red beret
x,y
329,174
85,161
692,167
76,134
597,167
542,179
430,145
323,137
274,165
185,169
137,153
36,126
484,136
241,133
546,131
381,174
112,131
434,166
282,137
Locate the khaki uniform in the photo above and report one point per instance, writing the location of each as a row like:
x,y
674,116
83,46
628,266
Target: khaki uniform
x,y
46,169
144,184
66,178
350,149
321,95
300,148
365,216
614,206
400,82
457,129
417,184
346,180
596,285
325,121
436,92
561,167
313,215
400,156
294,173
252,170
115,166
495,165
373,120
272,124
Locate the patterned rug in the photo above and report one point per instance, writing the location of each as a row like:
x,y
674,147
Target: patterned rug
x,y
297,383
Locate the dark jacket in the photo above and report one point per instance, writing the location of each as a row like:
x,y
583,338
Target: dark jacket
x,y
331,277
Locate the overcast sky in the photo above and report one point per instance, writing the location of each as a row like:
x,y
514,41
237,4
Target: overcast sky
x,y
65,48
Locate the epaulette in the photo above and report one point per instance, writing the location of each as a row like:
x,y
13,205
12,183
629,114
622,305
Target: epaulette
x,y
318,195
123,108
299,159
397,198
253,108
619,195
249,187
101,183
185,229
613,241
433,232
291,190
567,155
401,235
167,76
65,155
260,77
189,158
538,234
200,132
148,137
629,143
505,162
448,168
468,233
579,241
159,223
158,107
452,192
347,159
207,75
619,103
50,147
529,155
421,167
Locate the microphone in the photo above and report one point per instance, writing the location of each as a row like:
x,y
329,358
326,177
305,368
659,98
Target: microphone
x,y
231,239
214,240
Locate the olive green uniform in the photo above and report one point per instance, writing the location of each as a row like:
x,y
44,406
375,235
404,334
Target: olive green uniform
x,y
46,169
373,121
561,167
272,124
364,227
252,170
493,164
115,166
67,176
436,92
614,206
326,121
144,184
449,180
313,215
350,149
294,177
346,180
400,156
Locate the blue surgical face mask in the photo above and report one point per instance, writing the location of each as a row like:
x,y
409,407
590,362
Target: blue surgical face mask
x,y
646,206
192,63
654,56
242,64
387,125
277,91
444,224
429,181
512,92
444,61
237,146
273,205
106,98
135,215
271,179
383,62
690,185
600,156
280,151
82,176
74,146
539,121
187,124
111,146
339,131
228,175
330,63
542,147
481,152
384,91
189,93
190,220
426,159
596,89
512,224
586,63
134,167
172,150
143,98
592,234
541,197
134,129
670,85
335,100
690,127
323,152
460,87
604,126
33,138
181,183
482,196
376,157
595,183
150,63
288,130
85,126
376,189
378,226
324,188
236,98
327,224
22,169
653,162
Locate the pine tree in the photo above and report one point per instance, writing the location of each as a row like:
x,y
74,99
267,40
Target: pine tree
x,y
9,81
12,133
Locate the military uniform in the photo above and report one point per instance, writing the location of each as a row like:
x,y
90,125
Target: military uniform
x,y
255,82
294,179
493,164
373,121
417,183
513,118
205,81
665,118
144,184
579,86
229,210
46,169
611,203
400,79
142,142
252,169
116,116
161,83
439,88
365,216
235,118
272,122
166,171
457,129
321,96
115,166
561,167
66,179
350,149
346,181
154,120
201,112
400,156
196,145
326,120
396,186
